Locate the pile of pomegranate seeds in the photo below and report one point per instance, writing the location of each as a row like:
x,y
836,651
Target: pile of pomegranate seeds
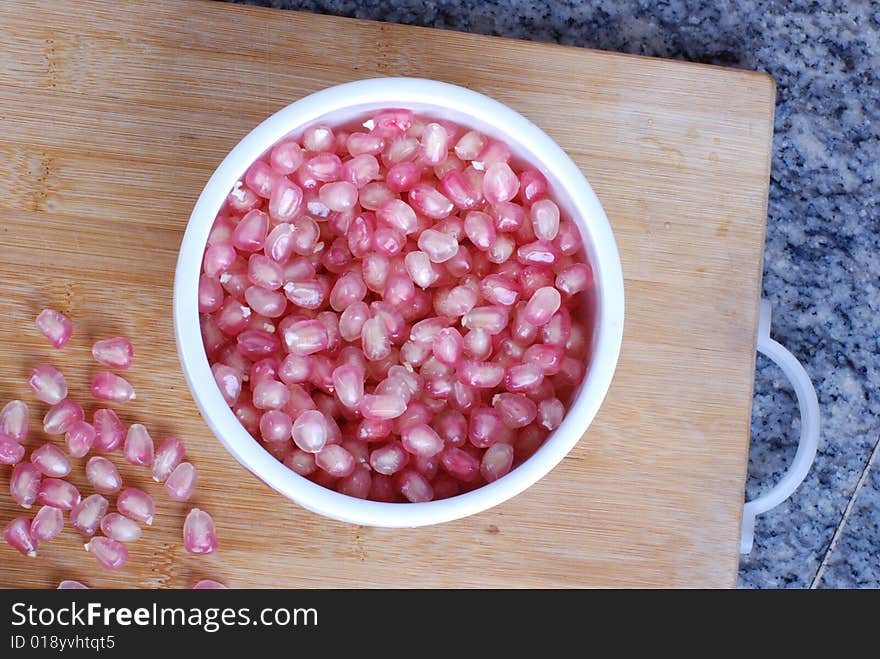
x,y
395,309
40,480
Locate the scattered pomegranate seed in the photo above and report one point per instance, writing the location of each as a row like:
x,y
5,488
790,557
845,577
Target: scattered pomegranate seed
x,y
168,456
399,298
208,584
18,534
109,430
110,553
80,438
25,483
112,387
11,452
138,448
103,475
14,420
47,523
51,461
48,384
121,528
69,584
137,505
55,326
86,516
114,353
58,493
181,484
199,536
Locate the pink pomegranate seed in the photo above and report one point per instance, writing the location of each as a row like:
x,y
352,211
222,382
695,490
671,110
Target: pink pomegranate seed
x,y
459,464
285,200
69,584
545,219
537,253
114,353
574,279
210,294
270,304
182,482
228,381
270,395
257,344
286,157
391,123
403,176
139,448
167,457
500,183
509,217
275,426
110,553
547,357
301,462
485,427
120,528
448,346
348,381
523,377
47,524
347,290
457,188
339,196
568,240
382,406
500,289
360,170
50,461
477,344
80,438
335,460
260,178
199,535
389,459
480,229
241,199
86,516
357,484
250,234
58,493
305,337
218,259
14,420
497,461
18,534
543,304
24,484
319,138
55,326
470,145
532,185
325,167
550,413
438,246
434,144
103,475
265,272
482,375
309,431
11,452
373,195
48,384
398,215
137,505
421,440
455,302
295,369
375,339
109,386
557,331
491,319
208,584
429,201
414,487
516,410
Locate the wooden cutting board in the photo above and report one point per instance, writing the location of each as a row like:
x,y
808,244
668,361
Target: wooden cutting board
x,y
112,118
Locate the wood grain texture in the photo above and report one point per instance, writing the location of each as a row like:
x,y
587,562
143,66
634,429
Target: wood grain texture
x,y
112,118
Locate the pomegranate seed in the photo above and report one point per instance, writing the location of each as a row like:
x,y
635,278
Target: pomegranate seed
x,y
137,505
414,487
103,475
491,319
482,375
139,447
228,381
270,394
69,584
14,420
55,326
547,357
500,289
421,440
114,353
11,452
86,516
484,427
388,459
182,482
470,145
380,407
199,535
542,305
301,462
286,157
109,386
110,553
500,183
47,524
398,215
25,483
357,484
429,201
58,493
18,534
80,438
208,584
310,431
120,528
497,461
285,201
459,464
48,384
50,461
250,234
305,337
523,377
257,344
335,460
574,279
448,346
434,144
545,219
275,426
167,457
61,417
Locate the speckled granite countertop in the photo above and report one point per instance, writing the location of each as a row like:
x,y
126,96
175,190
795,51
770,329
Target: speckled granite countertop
x,y
822,259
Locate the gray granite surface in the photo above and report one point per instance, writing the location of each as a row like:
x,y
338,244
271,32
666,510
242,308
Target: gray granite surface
x,y
822,266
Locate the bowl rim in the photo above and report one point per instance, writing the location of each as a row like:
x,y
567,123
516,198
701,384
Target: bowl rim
x,y
544,153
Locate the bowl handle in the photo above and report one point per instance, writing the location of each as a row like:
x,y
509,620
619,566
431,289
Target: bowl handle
x,y
808,405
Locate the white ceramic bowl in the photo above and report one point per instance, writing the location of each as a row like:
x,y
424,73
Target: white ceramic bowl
x,y
341,104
